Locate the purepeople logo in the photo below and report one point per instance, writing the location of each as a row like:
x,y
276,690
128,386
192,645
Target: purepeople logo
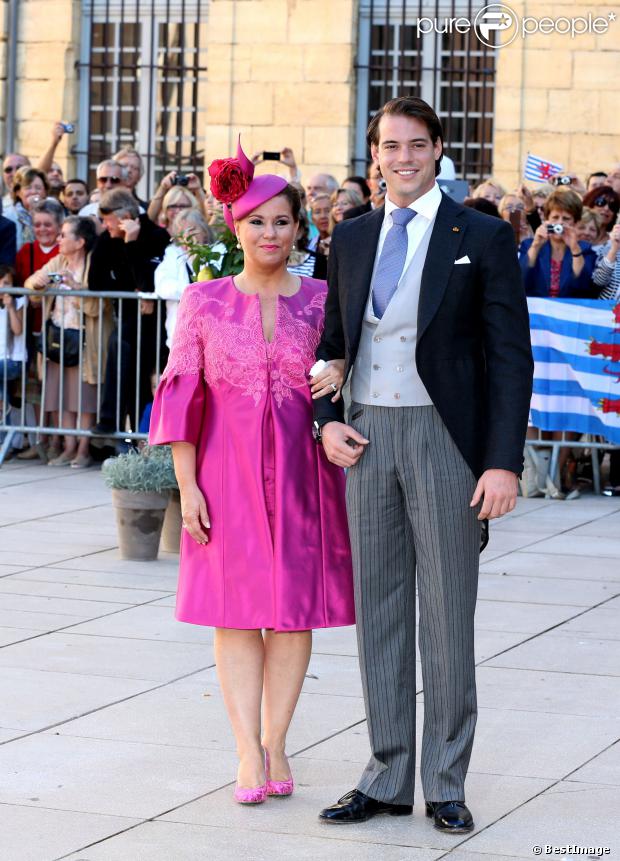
x,y
497,25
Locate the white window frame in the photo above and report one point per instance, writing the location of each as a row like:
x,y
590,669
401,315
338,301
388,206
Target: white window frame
x,y
113,12
431,82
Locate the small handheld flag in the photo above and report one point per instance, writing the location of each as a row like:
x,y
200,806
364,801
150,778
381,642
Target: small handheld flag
x,y
540,169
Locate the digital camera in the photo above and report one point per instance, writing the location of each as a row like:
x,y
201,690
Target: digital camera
x,y
561,180
55,278
180,179
68,127
558,229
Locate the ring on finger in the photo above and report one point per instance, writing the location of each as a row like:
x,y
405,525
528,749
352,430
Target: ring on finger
x,y
334,387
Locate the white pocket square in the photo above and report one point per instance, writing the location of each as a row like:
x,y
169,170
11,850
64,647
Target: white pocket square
x,y
462,260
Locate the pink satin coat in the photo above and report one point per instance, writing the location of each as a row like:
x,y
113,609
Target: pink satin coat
x,y
278,554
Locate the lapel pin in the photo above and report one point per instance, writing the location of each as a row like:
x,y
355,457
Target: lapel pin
x,y
456,229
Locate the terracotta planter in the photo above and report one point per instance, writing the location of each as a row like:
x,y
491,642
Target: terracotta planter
x,y
171,533
139,519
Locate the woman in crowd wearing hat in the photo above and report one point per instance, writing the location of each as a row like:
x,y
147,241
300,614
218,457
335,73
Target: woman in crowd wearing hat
x,y
265,554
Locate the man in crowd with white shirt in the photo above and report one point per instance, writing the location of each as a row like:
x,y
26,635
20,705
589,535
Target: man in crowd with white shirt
x,y
427,308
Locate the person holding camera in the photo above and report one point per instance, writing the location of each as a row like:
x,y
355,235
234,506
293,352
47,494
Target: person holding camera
x,y
554,263
193,197
69,271
570,181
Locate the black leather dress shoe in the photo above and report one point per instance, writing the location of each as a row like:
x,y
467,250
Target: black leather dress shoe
x,y
357,807
451,816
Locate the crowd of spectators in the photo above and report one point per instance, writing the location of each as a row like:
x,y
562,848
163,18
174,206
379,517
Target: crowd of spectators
x,y
62,232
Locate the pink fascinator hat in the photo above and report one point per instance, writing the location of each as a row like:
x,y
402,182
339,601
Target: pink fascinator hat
x,y
234,185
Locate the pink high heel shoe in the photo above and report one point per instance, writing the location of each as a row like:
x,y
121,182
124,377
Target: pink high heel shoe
x,y
256,795
278,787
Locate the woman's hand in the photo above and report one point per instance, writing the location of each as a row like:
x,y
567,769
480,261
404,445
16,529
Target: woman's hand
x,y
570,238
194,185
194,513
329,380
166,183
68,279
39,280
541,236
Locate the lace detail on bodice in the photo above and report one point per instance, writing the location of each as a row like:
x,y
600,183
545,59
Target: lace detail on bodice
x,y
187,351
211,338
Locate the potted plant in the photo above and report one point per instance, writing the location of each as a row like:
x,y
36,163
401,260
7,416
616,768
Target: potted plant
x,y
141,484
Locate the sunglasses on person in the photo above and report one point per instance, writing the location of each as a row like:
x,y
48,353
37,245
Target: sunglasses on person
x,y
9,169
113,179
603,201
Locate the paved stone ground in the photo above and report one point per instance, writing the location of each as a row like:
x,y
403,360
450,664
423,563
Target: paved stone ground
x,y
114,744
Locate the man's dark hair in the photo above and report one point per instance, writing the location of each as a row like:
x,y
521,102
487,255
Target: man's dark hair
x,y
119,200
77,182
596,173
5,269
363,185
83,228
407,106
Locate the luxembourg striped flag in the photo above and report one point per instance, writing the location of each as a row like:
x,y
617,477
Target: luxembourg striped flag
x,y
576,348
540,169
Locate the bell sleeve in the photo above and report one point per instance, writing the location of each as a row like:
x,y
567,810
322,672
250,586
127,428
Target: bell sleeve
x,y
178,407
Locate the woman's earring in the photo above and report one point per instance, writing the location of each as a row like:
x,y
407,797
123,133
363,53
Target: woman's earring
x,y
238,246
293,247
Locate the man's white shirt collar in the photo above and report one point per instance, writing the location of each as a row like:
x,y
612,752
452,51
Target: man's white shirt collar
x,y
426,205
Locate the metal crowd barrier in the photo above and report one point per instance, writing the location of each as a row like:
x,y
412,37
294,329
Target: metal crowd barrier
x,y
125,426
597,446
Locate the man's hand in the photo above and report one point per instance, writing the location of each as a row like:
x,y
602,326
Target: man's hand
x,y
131,228
58,130
498,490
147,307
338,450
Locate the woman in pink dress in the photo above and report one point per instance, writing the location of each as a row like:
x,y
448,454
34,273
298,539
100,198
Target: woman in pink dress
x,y
265,554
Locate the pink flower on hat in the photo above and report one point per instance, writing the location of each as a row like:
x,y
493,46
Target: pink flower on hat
x,y
229,180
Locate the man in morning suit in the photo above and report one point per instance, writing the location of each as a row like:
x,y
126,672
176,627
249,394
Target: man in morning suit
x,y
427,308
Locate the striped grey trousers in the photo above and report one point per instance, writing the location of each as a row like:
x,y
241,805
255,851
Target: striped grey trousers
x,y
408,506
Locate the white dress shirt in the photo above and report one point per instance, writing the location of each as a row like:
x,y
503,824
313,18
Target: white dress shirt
x,y
385,372
426,208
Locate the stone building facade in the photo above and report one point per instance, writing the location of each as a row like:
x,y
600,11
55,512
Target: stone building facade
x,y
297,73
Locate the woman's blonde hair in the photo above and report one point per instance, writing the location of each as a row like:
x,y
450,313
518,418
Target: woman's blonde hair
x,y
173,195
194,218
589,215
488,183
352,198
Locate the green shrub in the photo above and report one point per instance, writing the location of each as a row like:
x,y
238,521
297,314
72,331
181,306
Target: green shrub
x,y
149,470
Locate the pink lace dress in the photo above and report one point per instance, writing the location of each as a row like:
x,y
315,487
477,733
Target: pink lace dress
x,y
278,554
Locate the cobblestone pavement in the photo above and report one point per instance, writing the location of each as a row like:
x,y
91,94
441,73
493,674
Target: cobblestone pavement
x,y
114,744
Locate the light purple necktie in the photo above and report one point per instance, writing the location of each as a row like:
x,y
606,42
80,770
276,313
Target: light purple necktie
x,y
391,261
